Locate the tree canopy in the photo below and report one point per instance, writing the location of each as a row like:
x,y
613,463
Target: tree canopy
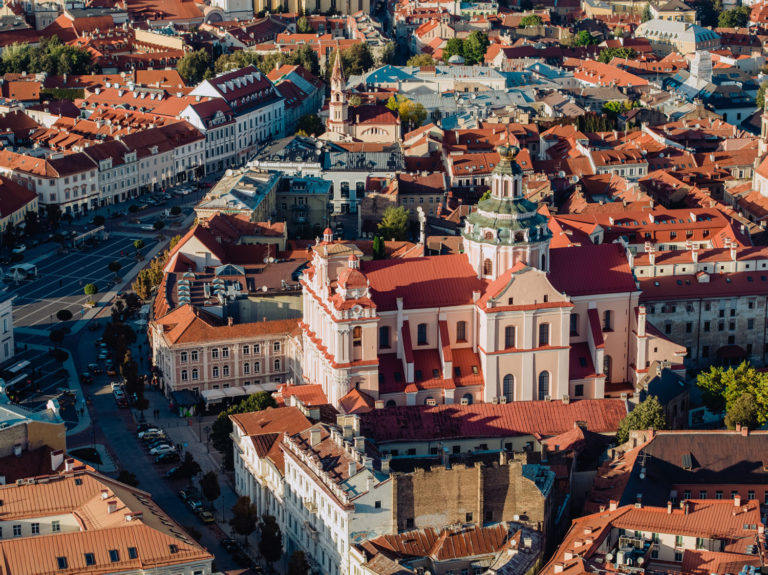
x,y
736,18
472,49
310,125
609,54
50,55
584,38
531,20
722,388
297,564
303,27
412,114
244,516
394,223
421,60
271,543
760,98
743,411
209,485
195,66
647,415
355,60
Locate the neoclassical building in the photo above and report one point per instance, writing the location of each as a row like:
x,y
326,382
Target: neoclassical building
x,y
508,320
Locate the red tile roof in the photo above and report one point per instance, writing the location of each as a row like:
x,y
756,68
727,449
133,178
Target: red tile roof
x,y
431,281
308,395
546,418
272,420
13,197
701,562
357,401
591,269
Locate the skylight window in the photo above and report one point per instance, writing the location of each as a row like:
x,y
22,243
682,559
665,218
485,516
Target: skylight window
x,y
114,555
62,562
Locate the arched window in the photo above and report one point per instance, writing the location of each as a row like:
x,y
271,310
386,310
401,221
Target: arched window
x,y
183,375
509,336
421,334
487,267
543,262
215,371
391,403
508,387
194,374
607,320
277,365
543,384
461,331
384,336
607,363
357,336
506,188
543,334
517,189
466,399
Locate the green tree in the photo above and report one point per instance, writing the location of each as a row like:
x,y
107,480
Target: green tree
x,y
64,315
453,47
647,415
303,27
760,98
311,125
209,485
31,223
222,427
297,564
189,467
647,13
50,56
90,289
244,516
115,267
271,542
475,47
609,54
722,387
743,411
584,38
194,66
388,54
394,223
378,248
420,60
129,369
531,21
736,18
614,107
412,114
57,336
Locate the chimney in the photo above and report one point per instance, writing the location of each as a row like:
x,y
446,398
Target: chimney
x,y
69,464
230,321
314,437
104,494
613,505
385,463
111,506
745,431
57,458
360,443
133,516
669,508
351,468
686,506
558,567
737,500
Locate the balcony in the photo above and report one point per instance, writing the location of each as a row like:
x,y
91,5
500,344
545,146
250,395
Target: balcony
x,y
310,505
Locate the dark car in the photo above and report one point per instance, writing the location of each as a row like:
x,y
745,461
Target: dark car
x,y
229,544
86,377
95,369
171,457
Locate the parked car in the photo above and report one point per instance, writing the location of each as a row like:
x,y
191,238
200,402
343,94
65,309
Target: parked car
x,y
228,544
144,427
116,386
184,494
20,249
103,355
149,431
95,369
86,377
158,443
206,516
172,457
162,449
195,505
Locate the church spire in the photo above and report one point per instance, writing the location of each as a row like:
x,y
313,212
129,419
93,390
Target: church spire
x,y
338,108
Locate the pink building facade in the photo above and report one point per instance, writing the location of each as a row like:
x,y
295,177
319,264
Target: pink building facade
x,y
508,320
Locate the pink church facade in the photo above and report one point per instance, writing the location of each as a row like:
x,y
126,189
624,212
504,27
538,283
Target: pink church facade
x,y
508,320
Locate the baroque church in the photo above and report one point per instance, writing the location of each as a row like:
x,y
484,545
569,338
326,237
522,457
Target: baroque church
x,y
509,319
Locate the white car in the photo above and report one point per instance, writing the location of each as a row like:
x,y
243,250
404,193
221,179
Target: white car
x,y
150,431
162,449
20,249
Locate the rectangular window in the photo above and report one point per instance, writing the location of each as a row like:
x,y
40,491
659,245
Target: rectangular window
x,y
750,323
702,494
276,347
718,494
421,334
90,559
509,336
114,555
750,495
257,349
699,543
224,352
35,528
678,556
256,366
246,368
55,526
132,553
574,324
183,357
678,540
17,530
246,349
215,371
578,390
277,365
225,371
62,562
215,353
193,355
384,337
